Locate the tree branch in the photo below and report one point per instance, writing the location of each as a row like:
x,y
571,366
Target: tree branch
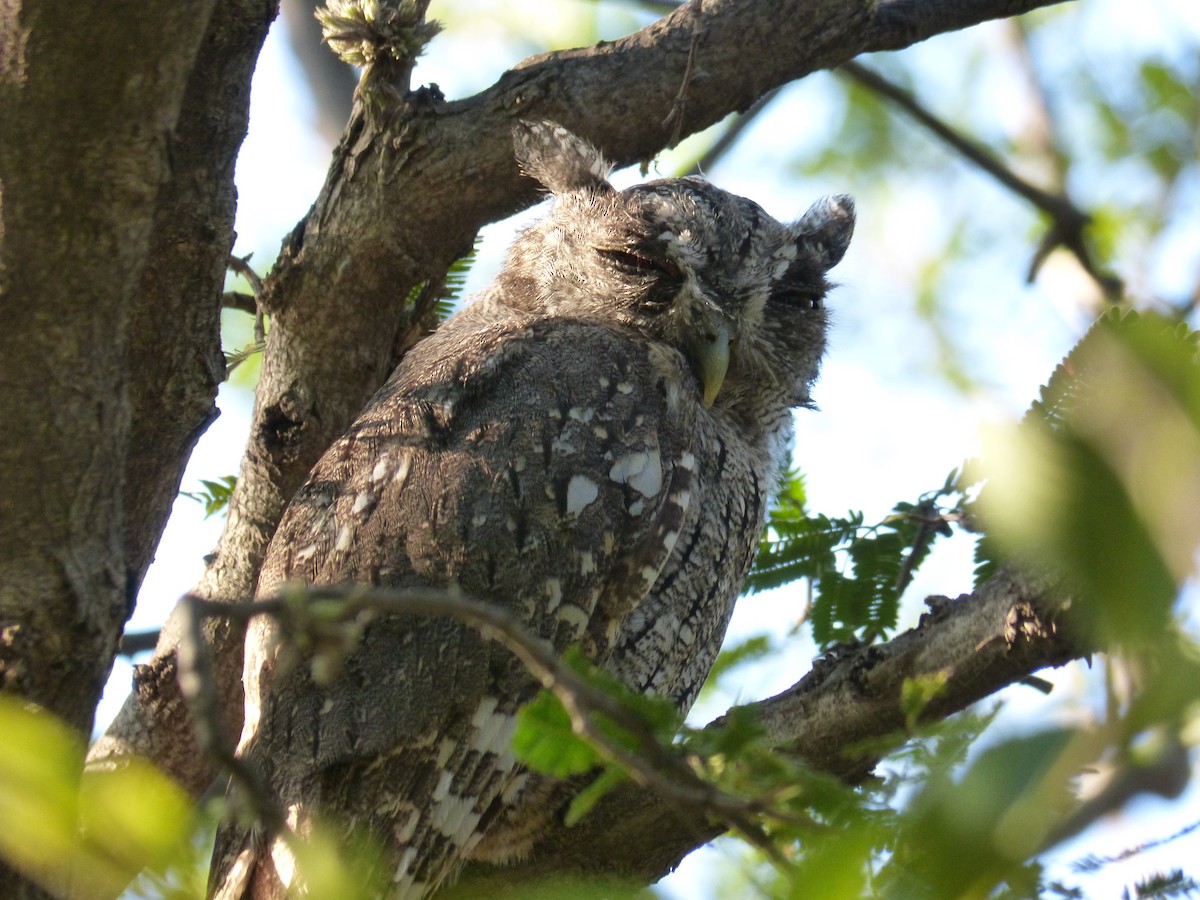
x,y
982,642
1068,221
400,205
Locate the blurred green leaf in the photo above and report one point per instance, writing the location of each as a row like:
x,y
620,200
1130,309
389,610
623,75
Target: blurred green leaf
x,y
1101,482
749,650
966,837
545,741
216,494
583,802
93,831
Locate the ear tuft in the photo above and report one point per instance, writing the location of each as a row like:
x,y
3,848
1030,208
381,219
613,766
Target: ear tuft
x,y
558,159
826,229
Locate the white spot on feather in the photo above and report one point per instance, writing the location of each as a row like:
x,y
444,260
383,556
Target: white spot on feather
x,y
641,470
406,860
554,593
442,791
404,833
574,616
587,563
455,817
581,491
402,470
381,469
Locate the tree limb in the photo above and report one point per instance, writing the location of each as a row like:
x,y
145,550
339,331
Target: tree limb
x,y
982,642
1068,221
399,205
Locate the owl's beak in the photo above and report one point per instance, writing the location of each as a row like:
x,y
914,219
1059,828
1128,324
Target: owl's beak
x,y
709,352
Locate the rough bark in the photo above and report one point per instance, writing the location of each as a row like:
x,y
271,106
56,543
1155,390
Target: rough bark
x,y
89,100
175,345
109,369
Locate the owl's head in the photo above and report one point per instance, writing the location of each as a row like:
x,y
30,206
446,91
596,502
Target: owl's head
x,y
702,270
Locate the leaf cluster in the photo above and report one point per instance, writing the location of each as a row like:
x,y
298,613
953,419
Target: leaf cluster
x,y
215,494
858,571
443,295
1100,483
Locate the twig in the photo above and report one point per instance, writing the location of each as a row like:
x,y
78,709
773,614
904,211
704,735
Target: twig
x,y
674,118
197,683
239,301
730,135
1167,776
241,265
134,642
1045,138
1092,863
651,765
1067,220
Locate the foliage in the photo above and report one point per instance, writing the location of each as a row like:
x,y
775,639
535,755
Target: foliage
x,y
1098,485
215,495
942,822
859,572
447,294
93,832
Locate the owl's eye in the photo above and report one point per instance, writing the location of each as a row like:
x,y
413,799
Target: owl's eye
x,y
641,266
796,297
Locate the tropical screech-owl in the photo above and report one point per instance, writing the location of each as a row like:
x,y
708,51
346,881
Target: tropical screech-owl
x,y
591,443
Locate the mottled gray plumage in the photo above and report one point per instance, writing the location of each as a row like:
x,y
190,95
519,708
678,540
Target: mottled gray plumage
x,y
592,443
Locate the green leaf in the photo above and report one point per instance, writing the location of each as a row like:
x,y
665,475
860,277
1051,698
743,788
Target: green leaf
x,y
965,838
234,358
215,495
449,292
1100,484
749,650
917,693
97,830
545,741
586,799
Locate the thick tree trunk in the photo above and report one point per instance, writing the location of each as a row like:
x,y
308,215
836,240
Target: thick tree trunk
x,y
116,213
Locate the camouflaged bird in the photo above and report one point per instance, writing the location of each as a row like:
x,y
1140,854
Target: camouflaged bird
x,y
591,444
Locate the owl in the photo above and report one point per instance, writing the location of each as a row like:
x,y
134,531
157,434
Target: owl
x,y
592,445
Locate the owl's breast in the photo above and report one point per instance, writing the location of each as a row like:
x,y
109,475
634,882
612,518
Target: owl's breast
x,y
669,642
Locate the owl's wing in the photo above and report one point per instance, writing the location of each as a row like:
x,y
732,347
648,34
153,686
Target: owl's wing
x,y
545,467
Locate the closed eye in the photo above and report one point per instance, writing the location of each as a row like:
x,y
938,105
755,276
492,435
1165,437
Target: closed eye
x,y
636,264
797,298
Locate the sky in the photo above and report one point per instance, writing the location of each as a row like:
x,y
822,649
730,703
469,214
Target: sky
x,y
889,426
